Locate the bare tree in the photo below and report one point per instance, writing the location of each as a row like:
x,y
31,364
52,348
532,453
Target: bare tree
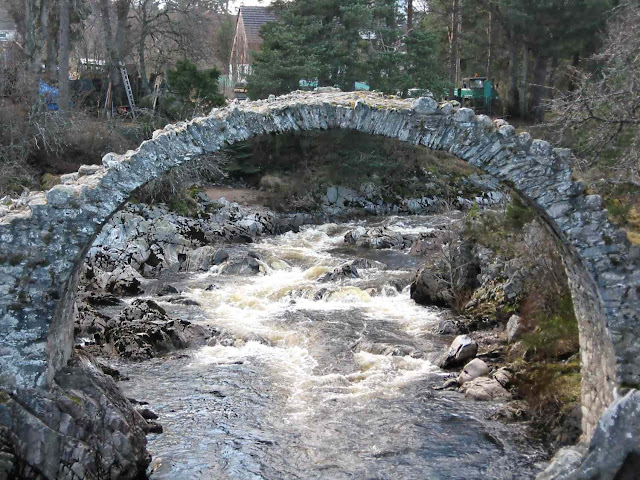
x,y
63,58
606,100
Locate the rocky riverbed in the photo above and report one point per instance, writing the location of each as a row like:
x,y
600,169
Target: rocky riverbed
x,y
285,345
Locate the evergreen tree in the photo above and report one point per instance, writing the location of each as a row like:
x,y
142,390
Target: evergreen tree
x,y
340,42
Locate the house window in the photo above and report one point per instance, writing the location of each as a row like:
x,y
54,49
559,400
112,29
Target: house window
x,y
3,36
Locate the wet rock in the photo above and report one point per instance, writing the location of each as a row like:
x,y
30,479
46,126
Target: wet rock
x,y
450,326
378,238
248,265
65,440
99,299
321,294
153,427
340,273
167,290
514,328
108,369
211,287
179,300
144,330
203,258
450,384
463,348
484,388
429,288
147,413
365,263
472,370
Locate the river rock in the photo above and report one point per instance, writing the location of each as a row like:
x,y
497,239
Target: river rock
x,y
463,348
378,238
514,328
431,289
503,376
203,258
342,272
89,325
81,427
167,290
484,388
249,265
613,450
98,299
472,370
144,330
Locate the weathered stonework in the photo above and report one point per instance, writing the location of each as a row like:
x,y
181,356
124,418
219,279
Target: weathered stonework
x,y
44,237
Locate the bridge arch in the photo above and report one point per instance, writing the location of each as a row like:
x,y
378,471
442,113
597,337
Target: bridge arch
x,y
44,237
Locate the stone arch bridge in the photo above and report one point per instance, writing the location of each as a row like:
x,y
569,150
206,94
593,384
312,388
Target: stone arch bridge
x,y
44,237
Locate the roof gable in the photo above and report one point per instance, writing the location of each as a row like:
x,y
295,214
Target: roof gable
x,y
253,18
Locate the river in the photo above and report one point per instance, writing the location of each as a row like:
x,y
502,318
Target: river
x,y
319,380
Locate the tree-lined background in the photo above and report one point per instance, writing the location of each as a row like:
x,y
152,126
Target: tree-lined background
x,y
566,69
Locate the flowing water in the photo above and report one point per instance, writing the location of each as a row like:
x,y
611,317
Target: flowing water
x,y
311,383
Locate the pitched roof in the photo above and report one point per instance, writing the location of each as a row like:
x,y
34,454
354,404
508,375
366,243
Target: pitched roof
x,y
253,18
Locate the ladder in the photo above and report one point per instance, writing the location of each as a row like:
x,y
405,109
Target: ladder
x,y
127,89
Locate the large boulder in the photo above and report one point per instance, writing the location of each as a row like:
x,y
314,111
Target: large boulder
x,y
462,349
144,330
429,288
203,258
472,370
614,450
379,237
82,427
484,389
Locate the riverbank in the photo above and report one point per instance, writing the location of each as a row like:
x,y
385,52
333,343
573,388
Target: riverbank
x,y
157,246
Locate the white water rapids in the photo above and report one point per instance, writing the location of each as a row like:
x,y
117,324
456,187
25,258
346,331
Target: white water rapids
x,y
306,383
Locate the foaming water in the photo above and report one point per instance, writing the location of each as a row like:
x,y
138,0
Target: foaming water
x,y
315,379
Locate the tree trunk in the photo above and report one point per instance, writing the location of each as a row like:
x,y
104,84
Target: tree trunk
x,y
552,78
539,88
31,44
513,93
490,45
146,88
63,58
575,61
523,82
409,15
453,48
112,54
47,32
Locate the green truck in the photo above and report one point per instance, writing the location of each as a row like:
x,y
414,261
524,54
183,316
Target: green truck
x,y
477,93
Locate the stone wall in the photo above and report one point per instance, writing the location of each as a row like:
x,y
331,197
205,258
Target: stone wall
x,y
44,236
